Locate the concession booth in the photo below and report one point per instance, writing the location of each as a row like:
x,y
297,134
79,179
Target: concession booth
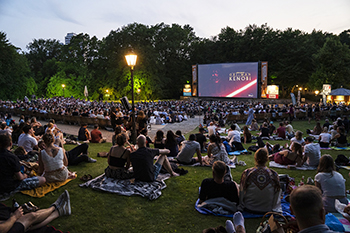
x,y
340,95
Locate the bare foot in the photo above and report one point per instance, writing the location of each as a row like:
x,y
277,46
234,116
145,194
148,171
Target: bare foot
x,y
174,174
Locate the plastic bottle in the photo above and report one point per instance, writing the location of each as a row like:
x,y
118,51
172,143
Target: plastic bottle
x,y
15,205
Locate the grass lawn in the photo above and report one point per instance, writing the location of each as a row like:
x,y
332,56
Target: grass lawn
x,y
95,211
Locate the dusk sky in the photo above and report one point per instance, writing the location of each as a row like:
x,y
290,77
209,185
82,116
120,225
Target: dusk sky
x,y
24,20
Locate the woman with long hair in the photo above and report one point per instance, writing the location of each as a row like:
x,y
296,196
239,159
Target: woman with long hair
x,y
287,157
141,121
159,140
331,183
171,144
340,137
216,151
53,161
247,136
119,159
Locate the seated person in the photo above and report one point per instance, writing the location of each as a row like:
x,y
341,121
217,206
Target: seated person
x,y
325,138
18,222
331,183
83,133
202,139
216,151
171,144
281,131
287,157
312,152
264,131
96,135
148,139
316,131
212,129
119,159
340,137
217,186
235,141
142,161
11,178
28,139
247,136
260,190
188,149
254,126
271,128
159,140
53,161
306,204
289,130
298,138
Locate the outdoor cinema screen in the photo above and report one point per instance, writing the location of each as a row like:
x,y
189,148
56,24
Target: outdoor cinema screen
x,y
237,80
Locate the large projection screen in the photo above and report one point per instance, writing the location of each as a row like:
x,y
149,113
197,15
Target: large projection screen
x,y
232,80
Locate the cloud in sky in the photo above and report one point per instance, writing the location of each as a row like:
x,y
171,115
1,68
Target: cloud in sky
x,y
24,20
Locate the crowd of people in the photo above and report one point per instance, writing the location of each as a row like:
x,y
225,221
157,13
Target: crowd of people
x,y
258,191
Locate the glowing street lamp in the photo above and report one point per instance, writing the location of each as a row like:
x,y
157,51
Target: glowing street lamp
x,y
317,92
131,61
63,86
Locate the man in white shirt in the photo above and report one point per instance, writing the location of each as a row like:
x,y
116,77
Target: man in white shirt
x,y
235,138
27,140
312,152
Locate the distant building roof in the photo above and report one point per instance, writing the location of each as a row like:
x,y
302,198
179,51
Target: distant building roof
x,y
340,91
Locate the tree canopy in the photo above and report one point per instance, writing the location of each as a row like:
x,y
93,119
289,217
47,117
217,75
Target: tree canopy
x,y
165,55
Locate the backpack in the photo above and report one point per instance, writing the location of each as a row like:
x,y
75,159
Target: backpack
x,y
342,160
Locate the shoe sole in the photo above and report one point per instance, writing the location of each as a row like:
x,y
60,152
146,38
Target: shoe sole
x,y
68,200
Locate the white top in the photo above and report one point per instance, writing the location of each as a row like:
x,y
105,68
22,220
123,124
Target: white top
x,y
188,149
301,142
27,141
325,137
52,163
331,185
313,153
236,136
211,129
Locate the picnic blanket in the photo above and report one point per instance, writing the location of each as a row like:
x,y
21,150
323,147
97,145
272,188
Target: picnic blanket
x,y
343,221
237,152
304,167
46,188
172,159
129,187
345,167
340,148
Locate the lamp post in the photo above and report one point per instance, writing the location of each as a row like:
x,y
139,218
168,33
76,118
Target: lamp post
x,y
63,86
131,61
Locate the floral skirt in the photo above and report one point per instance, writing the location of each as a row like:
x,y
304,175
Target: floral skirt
x,y
56,176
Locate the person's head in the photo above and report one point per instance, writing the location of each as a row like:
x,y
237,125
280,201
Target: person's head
x,y
49,125
141,141
219,169
117,130
170,136
52,121
5,141
261,157
341,130
83,125
211,123
96,126
201,130
309,140
214,138
178,133
48,139
318,124
121,139
144,132
233,127
141,114
20,151
245,129
271,122
33,120
281,124
27,128
3,125
41,145
325,129
265,125
192,137
326,164
297,148
299,135
159,135
307,206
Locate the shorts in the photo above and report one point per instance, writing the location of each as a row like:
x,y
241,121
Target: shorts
x,y
193,161
157,167
16,228
28,183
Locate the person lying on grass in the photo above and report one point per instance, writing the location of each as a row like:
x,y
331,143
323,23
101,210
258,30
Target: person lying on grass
x,y
17,222
287,157
142,161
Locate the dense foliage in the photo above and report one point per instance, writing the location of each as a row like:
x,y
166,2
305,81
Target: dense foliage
x,y
165,55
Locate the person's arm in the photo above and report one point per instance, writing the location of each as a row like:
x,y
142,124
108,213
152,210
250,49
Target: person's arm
x,y
128,162
5,226
209,151
199,156
335,137
41,164
65,160
164,151
318,185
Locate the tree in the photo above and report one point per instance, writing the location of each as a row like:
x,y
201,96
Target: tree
x,y
333,65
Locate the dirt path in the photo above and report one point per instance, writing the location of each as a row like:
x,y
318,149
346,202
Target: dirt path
x,y
185,127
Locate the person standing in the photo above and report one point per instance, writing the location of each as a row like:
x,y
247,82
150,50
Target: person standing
x,y
250,115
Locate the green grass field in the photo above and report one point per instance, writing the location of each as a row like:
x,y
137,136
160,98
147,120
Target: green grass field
x,y
95,211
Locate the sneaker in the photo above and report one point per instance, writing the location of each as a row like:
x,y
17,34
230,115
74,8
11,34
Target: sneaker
x,y
91,160
59,200
64,207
